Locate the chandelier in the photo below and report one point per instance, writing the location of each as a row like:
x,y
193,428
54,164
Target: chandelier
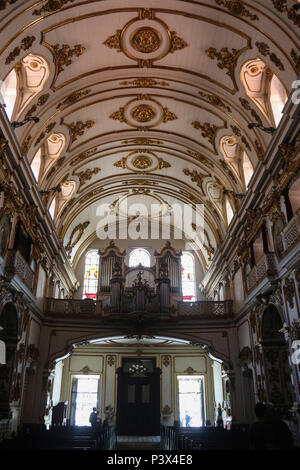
x,y
137,368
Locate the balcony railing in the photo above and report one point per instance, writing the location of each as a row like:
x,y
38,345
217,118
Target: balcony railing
x,y
95,308
16,265
206,309
73,307
266,267
291,233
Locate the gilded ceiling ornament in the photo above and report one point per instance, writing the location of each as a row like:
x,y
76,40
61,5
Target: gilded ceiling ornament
x,y
47,130
51,5
246,105
238,133
145,82
143,113
40,102
72,98
77,129
146,40
142,141
26,43
296,59
63,55
85,175
209,131
3,3
121,163
177,43
25,145
264,50
259,150
228,171
281,6
91,194
142,162
236,7
80,228
214,100
168,115
227,60
163,164
114,41
118,115
84,155
195,177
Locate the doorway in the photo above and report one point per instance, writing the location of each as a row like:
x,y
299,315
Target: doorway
x,y
138,409
191,400
84,397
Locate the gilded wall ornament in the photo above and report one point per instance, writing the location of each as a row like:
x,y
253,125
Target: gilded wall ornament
x,y
85,175
190,370
246,105
145,82
154,40
214,100
166,410
47,130
63,55
72,98
86,370
264,50
142,162
80,228
51,5
111,360
166,361
236,7
143,113
26,43
226,59
146,40
281,6
40,102
296,59
238,133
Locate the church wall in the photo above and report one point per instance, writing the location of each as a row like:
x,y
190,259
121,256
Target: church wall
x,y
103,361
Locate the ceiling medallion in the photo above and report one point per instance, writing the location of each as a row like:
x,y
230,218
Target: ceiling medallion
x,y
145,39
143,112
156,42
142,162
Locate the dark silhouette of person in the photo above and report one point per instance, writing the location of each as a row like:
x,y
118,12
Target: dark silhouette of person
x,y
94,418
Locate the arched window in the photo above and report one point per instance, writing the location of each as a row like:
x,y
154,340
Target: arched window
x,y
188,277
247,168
137,256
236,157
9,92
264,88
91,273
36,164
229,211
52,208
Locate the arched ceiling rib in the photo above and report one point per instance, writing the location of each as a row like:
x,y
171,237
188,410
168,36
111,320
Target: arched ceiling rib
x,y
139,79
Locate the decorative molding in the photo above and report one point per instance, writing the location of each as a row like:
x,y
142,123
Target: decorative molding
x,y
142,141
86,370
246,105
190,370
289,291
166,410
80,228
3,3
264,50
209,131
214,100
77,129
166,361
73,98
50,6
85,175
195,177
296,59
40,102
226,60
26,44
83,156
145,82
237,8
281,6
63,55
111,360
238,133
47,130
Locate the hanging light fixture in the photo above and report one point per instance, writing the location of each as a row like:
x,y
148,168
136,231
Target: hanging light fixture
x,y
138,368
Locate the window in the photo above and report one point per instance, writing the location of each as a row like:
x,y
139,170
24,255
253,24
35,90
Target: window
x,y
36,165
84,397
91,273
188,277
9,92
137,256
229,211
191,400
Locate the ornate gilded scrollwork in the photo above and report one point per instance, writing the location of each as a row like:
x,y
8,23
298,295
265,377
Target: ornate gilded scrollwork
x,y
72,99
281,6
85,175
226,60
246,105
80,228
214,100
40,102
64,54
264,50
47,130
239,134
209,131
77,129
51,5
145,82
26,43
236,7
296,59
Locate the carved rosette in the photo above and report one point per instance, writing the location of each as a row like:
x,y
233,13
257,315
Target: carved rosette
x,y
142,161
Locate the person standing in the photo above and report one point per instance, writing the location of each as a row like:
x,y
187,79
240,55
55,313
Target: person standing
x,y
94,418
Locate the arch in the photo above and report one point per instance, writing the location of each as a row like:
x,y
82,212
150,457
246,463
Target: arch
x,y
139,256
264,88
59,202
91,275
237,158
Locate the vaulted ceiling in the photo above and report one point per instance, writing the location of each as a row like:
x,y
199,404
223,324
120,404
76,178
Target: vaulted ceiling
x,y
143,93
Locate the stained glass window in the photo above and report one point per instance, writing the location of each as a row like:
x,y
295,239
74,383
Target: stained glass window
x,y
137,256
188,277
91,275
